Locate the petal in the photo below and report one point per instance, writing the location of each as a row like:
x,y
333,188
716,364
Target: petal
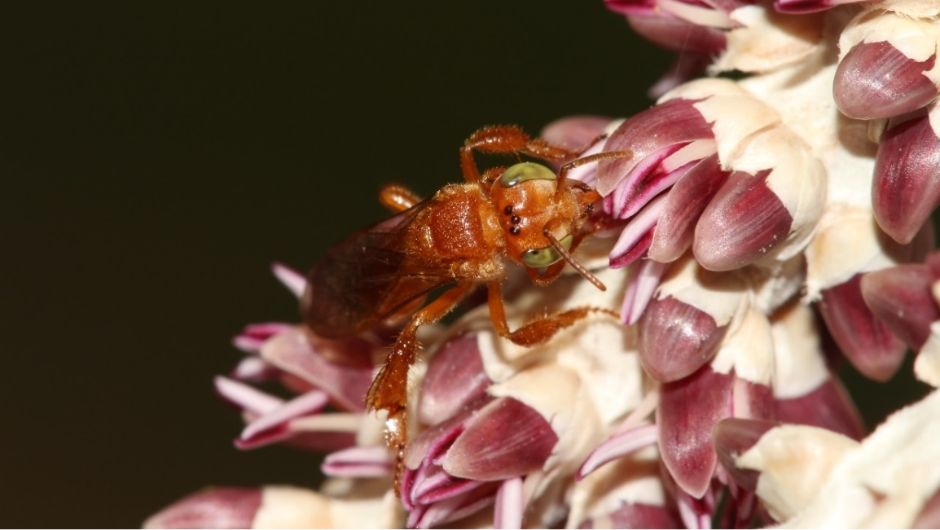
x,y
905,188
254,335
505,439
640,290
686,66
358,462
876,80
246,397
676,34
455,377
809,6
277,419
619,445
794,462
293,280
658,131
575,132
255,369
510,504
636,236
437,485
741,224
901,298
685,202
929,516
210,508
453,508
688,411
866,342
733,437
643,516
676,339
828,406
346,384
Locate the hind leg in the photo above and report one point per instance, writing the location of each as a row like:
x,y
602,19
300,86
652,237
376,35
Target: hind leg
x,y
397,198
389,390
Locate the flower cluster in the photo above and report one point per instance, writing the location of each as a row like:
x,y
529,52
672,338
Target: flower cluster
x,y
737,240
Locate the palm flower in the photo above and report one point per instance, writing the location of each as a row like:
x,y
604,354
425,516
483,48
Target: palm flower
x,y
765,231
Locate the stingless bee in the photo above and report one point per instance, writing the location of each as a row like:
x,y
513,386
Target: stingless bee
x,y
460,238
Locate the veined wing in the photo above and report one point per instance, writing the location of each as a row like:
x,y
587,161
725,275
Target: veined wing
x,y
368,277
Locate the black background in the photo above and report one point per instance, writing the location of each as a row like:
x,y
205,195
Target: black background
x,y
157,158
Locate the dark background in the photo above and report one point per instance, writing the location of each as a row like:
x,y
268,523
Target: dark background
x,y
157,158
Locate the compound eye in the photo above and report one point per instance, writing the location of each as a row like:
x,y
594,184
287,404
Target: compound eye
x,y
539,258
524,171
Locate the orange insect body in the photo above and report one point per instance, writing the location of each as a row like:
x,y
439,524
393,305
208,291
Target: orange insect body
x,y
462,237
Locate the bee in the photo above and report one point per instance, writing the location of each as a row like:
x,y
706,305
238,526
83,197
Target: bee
x,y
463,236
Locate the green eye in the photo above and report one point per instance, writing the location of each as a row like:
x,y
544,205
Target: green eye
x,y
525,171
539,258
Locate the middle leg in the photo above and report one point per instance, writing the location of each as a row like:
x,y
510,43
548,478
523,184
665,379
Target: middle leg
x,y
537,331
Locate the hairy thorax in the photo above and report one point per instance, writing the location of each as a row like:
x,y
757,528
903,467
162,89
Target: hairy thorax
x,y
460,227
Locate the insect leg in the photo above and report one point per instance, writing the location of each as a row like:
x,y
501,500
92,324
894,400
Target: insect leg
x,y
397,198
389,389
537,331
506,139
597,157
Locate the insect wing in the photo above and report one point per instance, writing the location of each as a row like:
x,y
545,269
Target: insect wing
x,y
366,278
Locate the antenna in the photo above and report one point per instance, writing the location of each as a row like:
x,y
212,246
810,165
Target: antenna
x,y
556,244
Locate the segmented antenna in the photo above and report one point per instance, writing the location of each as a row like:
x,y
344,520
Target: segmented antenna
x,y
556,244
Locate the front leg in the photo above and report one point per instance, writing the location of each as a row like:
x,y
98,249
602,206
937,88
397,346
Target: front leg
x,y
506,139
537,331
389,389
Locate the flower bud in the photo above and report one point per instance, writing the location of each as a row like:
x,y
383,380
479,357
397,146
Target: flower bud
x,y
875,80
809,6
805,392
682,327
901,298
905,189
454,378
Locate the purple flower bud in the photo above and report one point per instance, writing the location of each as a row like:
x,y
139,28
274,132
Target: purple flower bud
x,y
652,135
905,189
865,341
687,414
676,339
684,204
463,461
733,437
810,6
635,515
679,26
670,32
876,80
575,132
741,224
828,406
210,508
901,298
311,359
455,377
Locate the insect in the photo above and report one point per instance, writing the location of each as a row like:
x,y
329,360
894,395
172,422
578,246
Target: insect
x,y
462,237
